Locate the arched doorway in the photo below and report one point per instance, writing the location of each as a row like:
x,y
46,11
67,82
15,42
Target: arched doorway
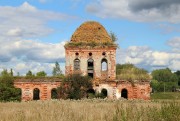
x,y
36,94
90,93
104,93
124,93
90,67
54,94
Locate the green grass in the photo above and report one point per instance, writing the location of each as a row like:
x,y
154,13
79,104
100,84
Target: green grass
x,y
166,95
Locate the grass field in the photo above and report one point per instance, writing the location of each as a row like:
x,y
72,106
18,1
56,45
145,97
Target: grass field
x,y
166,95
91,110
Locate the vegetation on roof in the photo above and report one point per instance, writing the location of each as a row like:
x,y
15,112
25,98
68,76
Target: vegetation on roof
x,y
37,79
129,72
90,44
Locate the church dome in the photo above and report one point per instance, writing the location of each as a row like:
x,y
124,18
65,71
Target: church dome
x,y
91,31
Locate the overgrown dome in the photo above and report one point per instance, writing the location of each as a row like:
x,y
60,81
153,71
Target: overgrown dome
x,y
91,31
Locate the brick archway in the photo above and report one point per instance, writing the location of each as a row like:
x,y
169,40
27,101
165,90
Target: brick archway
x,y
44,87
124,93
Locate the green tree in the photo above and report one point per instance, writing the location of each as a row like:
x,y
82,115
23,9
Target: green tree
x,y
57,70
41,74
167,81
6,78
178,76
29,74
155,85
11,72
74,87
7,90
164,75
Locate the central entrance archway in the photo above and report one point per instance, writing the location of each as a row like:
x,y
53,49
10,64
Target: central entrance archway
x,y
124,93
104,93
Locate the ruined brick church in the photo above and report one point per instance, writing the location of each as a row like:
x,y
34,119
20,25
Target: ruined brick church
x,y
90,52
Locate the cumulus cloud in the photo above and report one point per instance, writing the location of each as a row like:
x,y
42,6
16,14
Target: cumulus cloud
x,y
145,57
20,53
33,50
137,10
22,67
174,42
26,21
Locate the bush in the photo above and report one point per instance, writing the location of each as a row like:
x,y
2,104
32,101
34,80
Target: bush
x,y
7,90
74,87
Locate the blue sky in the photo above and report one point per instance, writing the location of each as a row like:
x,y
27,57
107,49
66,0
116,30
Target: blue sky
x,y
33,32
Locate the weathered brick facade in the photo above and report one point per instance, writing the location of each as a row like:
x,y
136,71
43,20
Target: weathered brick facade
x,y
97,57
90,52
45,87
91,42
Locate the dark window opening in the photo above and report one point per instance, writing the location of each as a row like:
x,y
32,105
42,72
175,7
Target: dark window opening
x,y
90,75
90,93
90,67
124,93
90,54
104,93
104,53
36,94
54,94
76,64
77,54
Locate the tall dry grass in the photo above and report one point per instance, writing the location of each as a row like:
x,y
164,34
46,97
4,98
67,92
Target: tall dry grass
x,y
90,110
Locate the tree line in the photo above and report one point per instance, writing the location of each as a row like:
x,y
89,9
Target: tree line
x,y
76,86
164,80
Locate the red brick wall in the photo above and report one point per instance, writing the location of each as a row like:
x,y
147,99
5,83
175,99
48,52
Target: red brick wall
x,y
28,87
136,91
96,56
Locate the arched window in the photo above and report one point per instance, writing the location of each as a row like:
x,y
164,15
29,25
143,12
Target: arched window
x,y
76,64
104,93
54,94
90,67
36,94
104,66
124,93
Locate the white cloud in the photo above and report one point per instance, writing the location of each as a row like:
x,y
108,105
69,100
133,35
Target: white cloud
x,y
20,53
14,32
175,64
23,67
137,10
27,21
144,57
174,42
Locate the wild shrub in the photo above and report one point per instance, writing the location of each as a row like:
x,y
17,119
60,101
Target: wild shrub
x,y
74,86
7,91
